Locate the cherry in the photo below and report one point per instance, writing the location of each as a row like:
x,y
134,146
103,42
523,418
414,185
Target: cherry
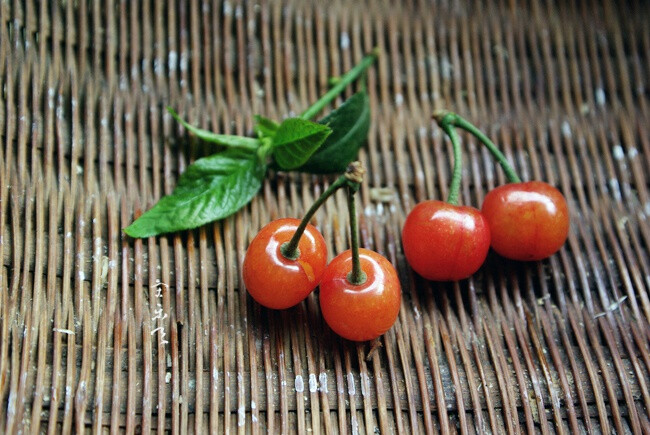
x,y
360,292
528,221
445,242
276,280
364,311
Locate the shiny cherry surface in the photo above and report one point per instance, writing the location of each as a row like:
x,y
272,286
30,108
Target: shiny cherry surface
x,y
275,281
360,312
445,242
528,221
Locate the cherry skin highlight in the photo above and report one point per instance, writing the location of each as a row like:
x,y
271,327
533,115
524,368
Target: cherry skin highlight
x,y
365,311
445,242
528,221
275,281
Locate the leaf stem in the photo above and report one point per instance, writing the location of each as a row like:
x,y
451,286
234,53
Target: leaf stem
x,y
445,117
341,84
357,276
229,140
454,187
290,249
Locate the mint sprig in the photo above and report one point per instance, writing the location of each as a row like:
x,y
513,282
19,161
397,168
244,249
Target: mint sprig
x,y
217,186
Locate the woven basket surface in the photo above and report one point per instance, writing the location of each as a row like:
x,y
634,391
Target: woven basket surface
x,y
102,332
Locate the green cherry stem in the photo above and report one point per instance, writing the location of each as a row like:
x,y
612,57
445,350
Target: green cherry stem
x,y
445,117
290,249
356,276
340,84
454,187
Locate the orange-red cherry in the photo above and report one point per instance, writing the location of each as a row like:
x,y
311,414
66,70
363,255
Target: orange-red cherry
x,y
528,221
276,281
364,311
445,242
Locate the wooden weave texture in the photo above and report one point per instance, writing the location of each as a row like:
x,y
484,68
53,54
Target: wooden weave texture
x,y
560,345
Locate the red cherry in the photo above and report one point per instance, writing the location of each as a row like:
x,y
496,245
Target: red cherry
x,y
276,281
445,242
360,312
528,221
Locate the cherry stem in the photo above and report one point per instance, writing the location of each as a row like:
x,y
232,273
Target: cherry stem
x,y
454,187
445,117
290,249
352,178
356,276
341,83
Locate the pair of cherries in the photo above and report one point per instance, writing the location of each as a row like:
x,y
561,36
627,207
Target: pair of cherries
x,y
360,292
524,221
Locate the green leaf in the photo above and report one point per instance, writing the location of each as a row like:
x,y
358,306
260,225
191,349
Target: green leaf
x,y
229,140
265,127
350,123
211,188
296,140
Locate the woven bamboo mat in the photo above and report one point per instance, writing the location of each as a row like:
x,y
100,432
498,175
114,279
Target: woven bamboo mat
x,y
556,346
